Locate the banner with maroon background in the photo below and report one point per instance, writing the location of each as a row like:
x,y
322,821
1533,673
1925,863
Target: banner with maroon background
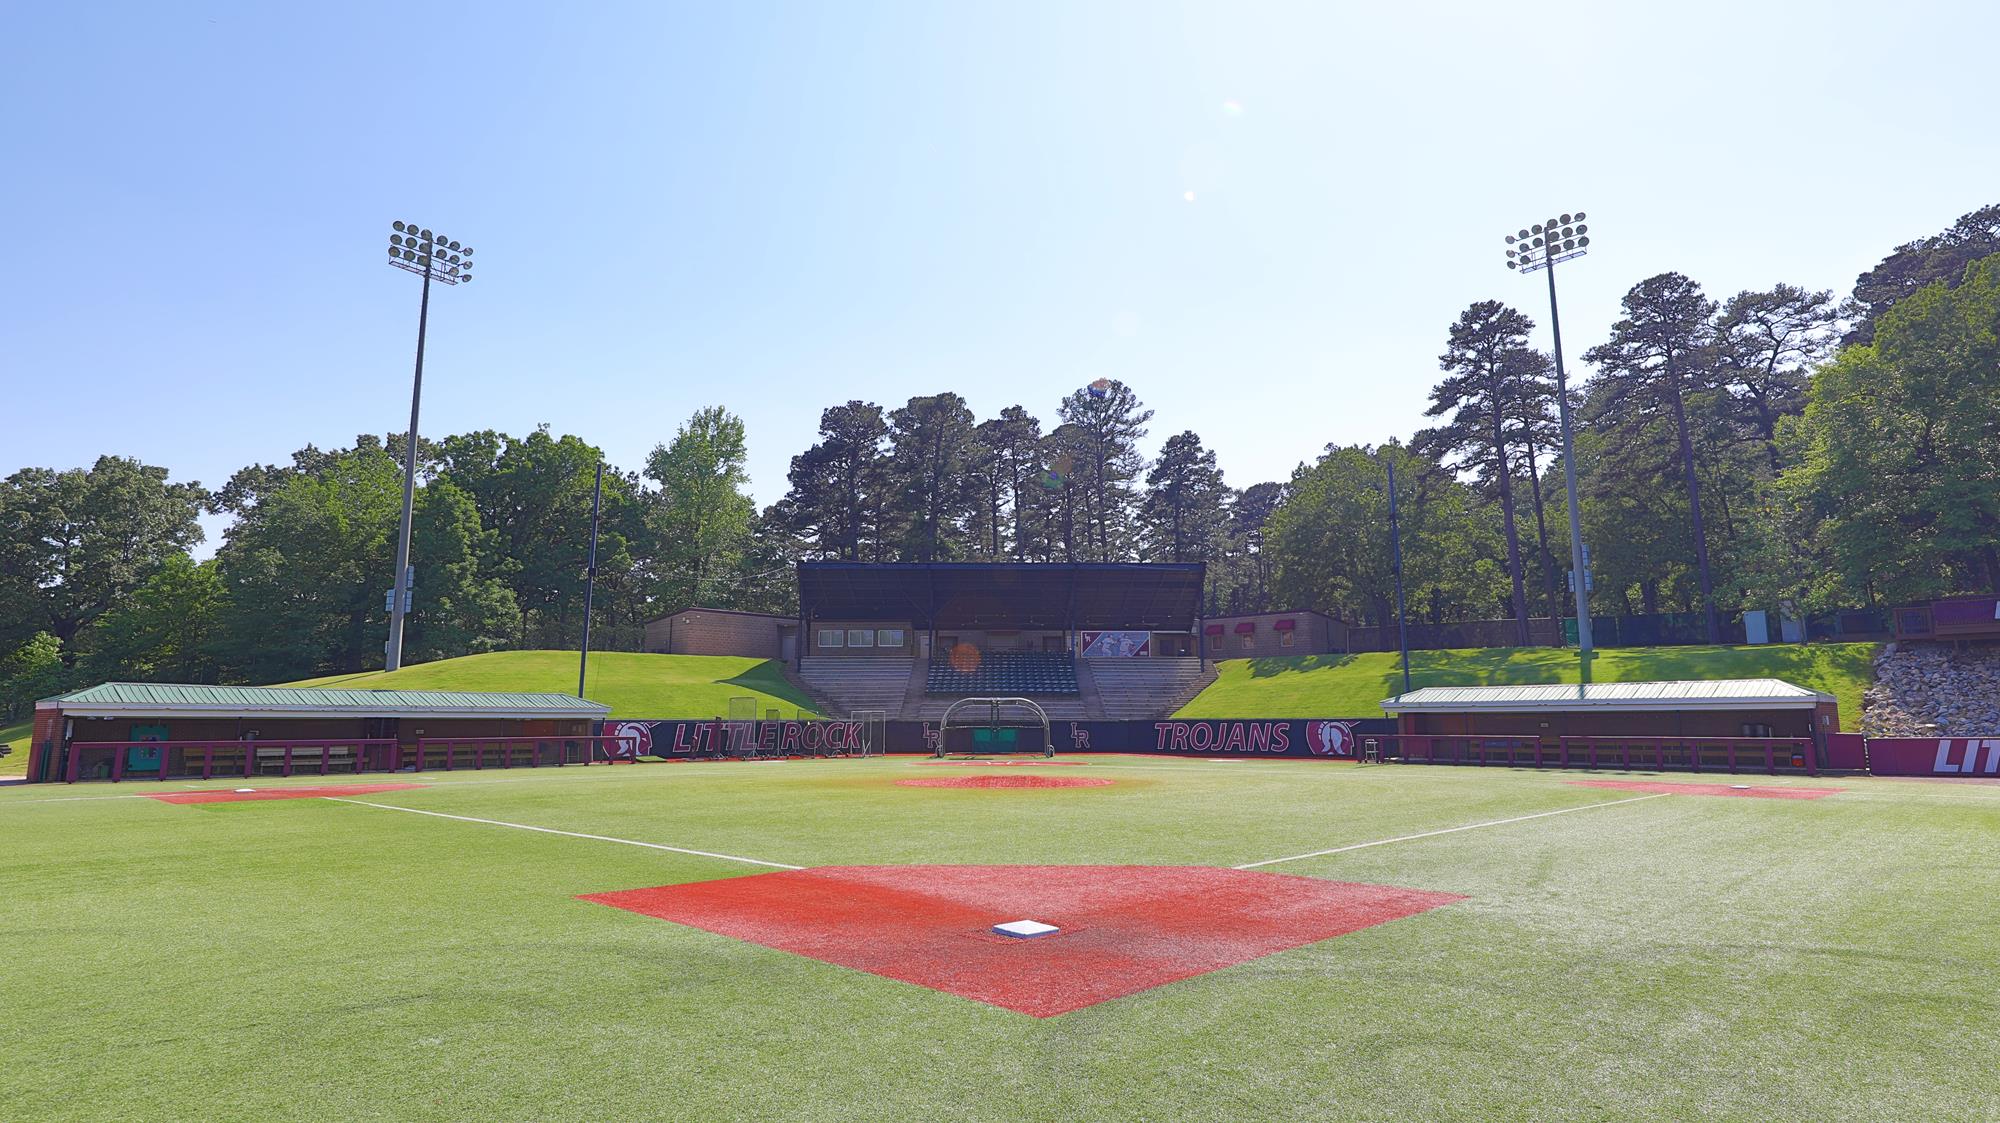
x,y
1322,738
1934,756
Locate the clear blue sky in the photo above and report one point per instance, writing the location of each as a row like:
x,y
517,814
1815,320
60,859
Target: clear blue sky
x,y
778,207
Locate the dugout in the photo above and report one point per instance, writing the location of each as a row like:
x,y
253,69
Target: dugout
x,y
129,730
1714,711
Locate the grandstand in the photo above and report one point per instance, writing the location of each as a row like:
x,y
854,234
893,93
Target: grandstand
x,y
1087,642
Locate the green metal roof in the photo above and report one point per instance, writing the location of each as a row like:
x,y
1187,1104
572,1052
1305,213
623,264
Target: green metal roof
x,y
164,697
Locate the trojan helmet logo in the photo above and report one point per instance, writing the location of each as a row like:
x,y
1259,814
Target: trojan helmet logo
x,y
1330,738
641,743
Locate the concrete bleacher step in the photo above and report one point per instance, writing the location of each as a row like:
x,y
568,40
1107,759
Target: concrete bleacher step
x,y
861,682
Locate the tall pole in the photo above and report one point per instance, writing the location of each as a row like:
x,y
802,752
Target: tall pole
x,y
1579,569
590,580
399,598
1396,567
414,249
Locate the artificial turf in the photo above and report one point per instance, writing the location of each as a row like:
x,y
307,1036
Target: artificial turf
x,y
1354,685
634,685
1649,956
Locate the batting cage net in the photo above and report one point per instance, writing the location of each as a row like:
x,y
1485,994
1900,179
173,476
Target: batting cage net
x,y
994,727
873,737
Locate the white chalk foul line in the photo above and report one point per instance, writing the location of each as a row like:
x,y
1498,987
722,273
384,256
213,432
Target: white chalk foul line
x,y
567,834
1451,830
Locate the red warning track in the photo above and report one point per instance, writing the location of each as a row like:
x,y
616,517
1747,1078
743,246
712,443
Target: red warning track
x,y
1006,782
224,795
1124,928
1754,791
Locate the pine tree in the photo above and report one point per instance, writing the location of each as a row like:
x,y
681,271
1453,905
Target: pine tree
x,y
1659,353
1487,366
1107,462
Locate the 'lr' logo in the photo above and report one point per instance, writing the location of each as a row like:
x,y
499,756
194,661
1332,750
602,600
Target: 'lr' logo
x,y
1970,761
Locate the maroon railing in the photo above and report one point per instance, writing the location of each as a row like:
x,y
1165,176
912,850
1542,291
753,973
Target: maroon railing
x,y
177,759
246,758
1691,754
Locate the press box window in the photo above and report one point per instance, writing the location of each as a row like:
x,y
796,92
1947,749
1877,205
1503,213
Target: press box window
x,y
888,637
830,637
861,637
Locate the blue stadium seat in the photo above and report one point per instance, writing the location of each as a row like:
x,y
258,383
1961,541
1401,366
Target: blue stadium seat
x,y
1005,673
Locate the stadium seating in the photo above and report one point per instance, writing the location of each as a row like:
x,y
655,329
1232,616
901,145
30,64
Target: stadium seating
x,y
1004,673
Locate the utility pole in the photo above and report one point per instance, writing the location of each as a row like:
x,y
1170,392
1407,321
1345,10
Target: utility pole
x,y
1396,567
416,250
1541,247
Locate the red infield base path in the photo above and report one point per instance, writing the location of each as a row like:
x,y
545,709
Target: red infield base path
x,y
1006,782
224,795
1124,928
1754,791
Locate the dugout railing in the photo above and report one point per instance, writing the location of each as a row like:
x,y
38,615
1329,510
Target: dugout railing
x,y
1658,754
204,760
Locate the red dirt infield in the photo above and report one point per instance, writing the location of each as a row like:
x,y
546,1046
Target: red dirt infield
x,y
1125,929
224,795
1754,791
1006,782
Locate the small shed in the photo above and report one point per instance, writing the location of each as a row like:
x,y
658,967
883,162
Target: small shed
x,y
135,730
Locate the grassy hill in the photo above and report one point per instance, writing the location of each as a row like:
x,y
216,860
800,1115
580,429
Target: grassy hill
x,y
15,737
1354,685
633,685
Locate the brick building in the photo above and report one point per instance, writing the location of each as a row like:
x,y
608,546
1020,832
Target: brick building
x,y
724,631
1261,635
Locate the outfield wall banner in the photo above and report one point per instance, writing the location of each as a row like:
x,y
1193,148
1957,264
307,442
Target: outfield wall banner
x,y
1934,756
733,738
1316,738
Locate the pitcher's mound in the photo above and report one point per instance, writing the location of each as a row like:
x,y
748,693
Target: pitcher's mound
x,y
1006,782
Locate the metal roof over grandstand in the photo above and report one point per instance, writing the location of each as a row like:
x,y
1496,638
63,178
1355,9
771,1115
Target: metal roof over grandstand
x,y
1154,596
1713,694
115,698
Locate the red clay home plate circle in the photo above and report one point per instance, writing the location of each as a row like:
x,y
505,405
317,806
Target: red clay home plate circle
x,y
1756,791
1006,782
1124,929
224,795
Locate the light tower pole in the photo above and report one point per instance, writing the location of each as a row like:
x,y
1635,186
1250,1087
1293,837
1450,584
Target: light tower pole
x,y
1541,246
414,249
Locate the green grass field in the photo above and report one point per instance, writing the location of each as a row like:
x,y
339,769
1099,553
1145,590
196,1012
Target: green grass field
x,y
1616,958
1354,685
632,684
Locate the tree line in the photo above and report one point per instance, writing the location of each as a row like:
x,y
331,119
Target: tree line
x,y
1781,449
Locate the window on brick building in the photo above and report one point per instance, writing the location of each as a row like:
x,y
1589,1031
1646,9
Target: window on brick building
x,y
861,637
831,637
888,637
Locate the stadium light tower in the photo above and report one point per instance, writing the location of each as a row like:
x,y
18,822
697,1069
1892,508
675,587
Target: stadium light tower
x,y
1541,246
414,249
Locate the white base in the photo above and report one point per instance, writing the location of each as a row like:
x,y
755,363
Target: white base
x,y
1025,929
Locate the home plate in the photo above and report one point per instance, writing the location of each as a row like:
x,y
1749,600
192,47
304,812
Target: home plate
x,y
1024,929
